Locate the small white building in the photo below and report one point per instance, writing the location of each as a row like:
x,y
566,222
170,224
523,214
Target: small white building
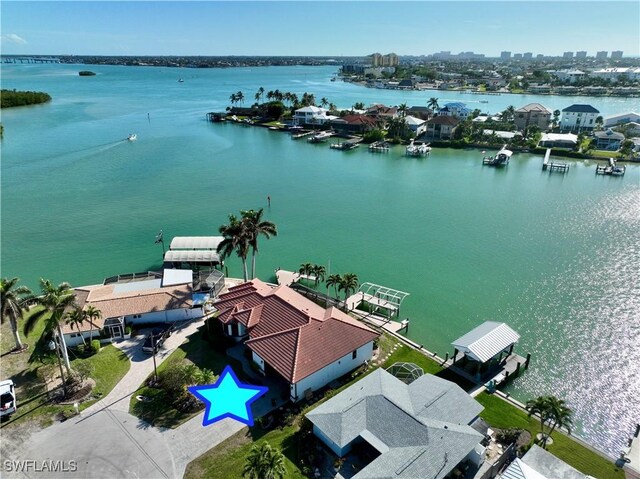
x,y
416,125
615,73
558,140
152,299
312,115
621,119
579,118
571,76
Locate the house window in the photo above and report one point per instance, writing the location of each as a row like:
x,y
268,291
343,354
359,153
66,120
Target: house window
x,y
354,354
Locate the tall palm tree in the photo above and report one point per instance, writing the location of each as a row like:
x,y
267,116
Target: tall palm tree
x,y
433,104
75,318
306,269
556,118
541,407
324,102
264,462
240,97
54,300
319,272
332,107
235,240
93,313
233,99
14,303
348,284
402,109
254,227
334,280
560,414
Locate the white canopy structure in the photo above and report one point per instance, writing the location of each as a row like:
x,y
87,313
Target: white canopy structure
x,y
191,256
486,341
195,242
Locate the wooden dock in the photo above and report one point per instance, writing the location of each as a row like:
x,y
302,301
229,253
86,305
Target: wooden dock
x,y
302,134
545,161
347,144
611,169
289,277
560,167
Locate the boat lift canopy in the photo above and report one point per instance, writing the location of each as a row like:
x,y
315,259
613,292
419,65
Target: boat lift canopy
x,y
382,297
195,242
486,341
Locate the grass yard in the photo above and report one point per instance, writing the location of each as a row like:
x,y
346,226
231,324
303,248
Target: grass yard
x,y
407,354
160,411
502,415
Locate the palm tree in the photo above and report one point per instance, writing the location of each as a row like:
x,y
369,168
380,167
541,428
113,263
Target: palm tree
x,y
254,227
14,304
560,414
264,462
233,99
433,104
324,102
54,299
556,118
348,284
332,107
235,240
240,97
260,94
541,407
509,114
334,280
75,318
402,109
306,269
92,314
319,272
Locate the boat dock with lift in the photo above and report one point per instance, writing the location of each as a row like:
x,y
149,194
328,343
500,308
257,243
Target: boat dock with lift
x,y
349,144
500,159
319,137
422,149
379,147
553,166
611,169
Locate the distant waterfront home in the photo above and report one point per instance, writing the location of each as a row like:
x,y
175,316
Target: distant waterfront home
x,y
354,124
558,140
621,119
382,112
292,339
412,431
617,73
422,112
312,115
608,140
579,118
407,84
505,135
539,88
532,114
166,298
456,108
441,127
570,76
416,125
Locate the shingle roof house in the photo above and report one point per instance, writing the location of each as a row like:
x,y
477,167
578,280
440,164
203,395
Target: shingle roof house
x,y
420,430
302,342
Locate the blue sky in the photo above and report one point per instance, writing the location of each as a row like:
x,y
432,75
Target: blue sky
x,y
317,28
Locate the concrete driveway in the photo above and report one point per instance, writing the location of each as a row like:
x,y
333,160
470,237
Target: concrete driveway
x,y
107,442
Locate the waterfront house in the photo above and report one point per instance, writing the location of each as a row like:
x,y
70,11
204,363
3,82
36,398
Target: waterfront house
x,y
570,76
505,135
456,108
578,118
532,114
537,463
539,88
381,112
558,140
422,112
135,300
441,127
615,73
621,119
291,339
608,140
415,430
354,124
312,115
417,125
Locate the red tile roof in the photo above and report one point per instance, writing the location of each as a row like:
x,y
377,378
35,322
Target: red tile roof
x,y
294,335
443,120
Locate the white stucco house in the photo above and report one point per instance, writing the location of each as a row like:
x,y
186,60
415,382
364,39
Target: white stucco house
x,y
579,118
312,115
166,299
416,125
292,338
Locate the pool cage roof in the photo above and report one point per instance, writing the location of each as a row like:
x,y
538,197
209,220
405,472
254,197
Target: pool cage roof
x,y
406,372
382,296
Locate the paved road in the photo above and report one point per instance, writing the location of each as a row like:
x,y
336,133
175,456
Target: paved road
x,y
107,442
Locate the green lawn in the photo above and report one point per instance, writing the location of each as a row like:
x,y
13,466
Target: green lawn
x,y
30,369
159,411
500,414
407,354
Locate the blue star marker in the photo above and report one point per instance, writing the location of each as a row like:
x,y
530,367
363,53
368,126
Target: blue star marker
x,y
228,397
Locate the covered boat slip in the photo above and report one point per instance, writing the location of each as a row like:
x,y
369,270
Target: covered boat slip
x,y
487,353
195,243
193,251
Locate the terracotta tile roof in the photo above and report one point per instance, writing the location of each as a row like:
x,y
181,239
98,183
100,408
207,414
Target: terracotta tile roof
x,y
443,120
294,335
115,304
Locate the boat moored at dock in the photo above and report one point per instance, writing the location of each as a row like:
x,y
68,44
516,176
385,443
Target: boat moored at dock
x,y
422,149
611,169
379,146
500,159
320,137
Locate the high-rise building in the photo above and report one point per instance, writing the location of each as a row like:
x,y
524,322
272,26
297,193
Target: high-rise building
x,y
601,55
581,54
505,55
539,56
390,60
517,56
617,55
527,55
567,55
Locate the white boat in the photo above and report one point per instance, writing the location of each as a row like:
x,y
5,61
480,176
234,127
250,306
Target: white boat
x,y
180,80
500,159
417,150
319,137
132,137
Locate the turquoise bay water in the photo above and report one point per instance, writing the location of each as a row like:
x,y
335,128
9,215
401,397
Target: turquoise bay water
x,y
556,257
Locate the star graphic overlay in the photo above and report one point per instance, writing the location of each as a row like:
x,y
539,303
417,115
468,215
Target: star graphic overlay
x,y
228,397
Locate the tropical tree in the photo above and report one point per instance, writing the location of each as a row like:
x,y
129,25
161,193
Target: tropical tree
x,y
334,280
555,121
402,109
306,269
332,107
260,94
54,300
541,406
240,97
75,318
233,99
319,272
264,462
626,149
92,314
509,114
254,227
433,104
560,415
599,123
358,106
324,102
14,303
348,284
235,240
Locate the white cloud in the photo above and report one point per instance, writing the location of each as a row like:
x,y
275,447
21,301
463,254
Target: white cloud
x,y
13,38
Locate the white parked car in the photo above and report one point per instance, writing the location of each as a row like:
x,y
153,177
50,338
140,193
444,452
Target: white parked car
x,y
7,398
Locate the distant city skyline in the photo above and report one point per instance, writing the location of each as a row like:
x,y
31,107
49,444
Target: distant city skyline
x,y
306,28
